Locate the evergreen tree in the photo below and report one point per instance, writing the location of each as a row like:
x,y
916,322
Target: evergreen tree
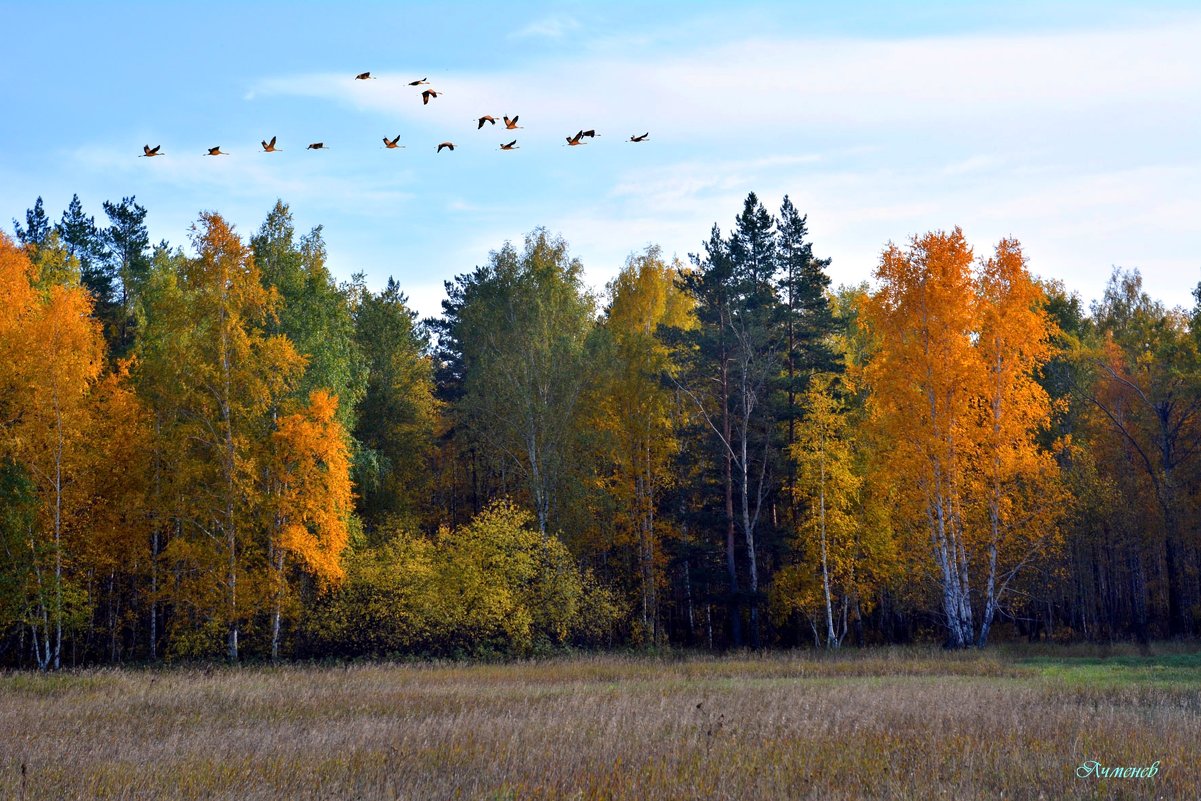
x,y
398,413
37,226
809,320
127,242
84,242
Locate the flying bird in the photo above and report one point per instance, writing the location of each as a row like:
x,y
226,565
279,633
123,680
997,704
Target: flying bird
x,y
511,124
316,146
590,132
511,146
575,140
391,143
426,95
150,152
450,145
216,151
418,83
486,118
269,147
640,138
362,76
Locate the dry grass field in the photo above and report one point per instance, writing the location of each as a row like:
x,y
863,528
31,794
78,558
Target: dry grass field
x,y
895,723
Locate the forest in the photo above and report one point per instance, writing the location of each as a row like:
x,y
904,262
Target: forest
x,y
220,451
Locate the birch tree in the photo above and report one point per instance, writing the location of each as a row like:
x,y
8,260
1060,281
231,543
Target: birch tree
x,y
952,389
633,406
516,330
214,375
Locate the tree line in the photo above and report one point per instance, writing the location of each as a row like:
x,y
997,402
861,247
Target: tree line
x,y
225,452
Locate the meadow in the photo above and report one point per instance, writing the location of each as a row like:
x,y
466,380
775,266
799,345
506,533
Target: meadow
x,y
1010,722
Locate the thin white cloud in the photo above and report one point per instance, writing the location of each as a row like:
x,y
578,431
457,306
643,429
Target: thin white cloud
x,y
775,90
548,27
1081,143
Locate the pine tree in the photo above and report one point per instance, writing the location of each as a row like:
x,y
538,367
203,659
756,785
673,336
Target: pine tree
x,y
84,242
37,226
127,241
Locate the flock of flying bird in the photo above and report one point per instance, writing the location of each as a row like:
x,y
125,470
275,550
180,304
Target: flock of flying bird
x,y
391,144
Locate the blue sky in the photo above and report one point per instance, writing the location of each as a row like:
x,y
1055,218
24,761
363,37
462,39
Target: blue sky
x,y
1075,127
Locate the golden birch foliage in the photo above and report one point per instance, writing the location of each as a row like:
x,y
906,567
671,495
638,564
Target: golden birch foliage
x,y
62,355
924,373
118,447
841,535
1021,480
312,469
214,380
953,392
17,277
634,412
52,353
827,486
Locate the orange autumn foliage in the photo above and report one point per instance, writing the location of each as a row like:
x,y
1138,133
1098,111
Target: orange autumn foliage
x,y
312,470
953,386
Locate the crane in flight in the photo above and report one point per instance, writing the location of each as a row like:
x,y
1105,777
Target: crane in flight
x,y
216,151
391,143
640,138
449,145
488,118
511,146
511,124
316,146
150,152
364,76
269,147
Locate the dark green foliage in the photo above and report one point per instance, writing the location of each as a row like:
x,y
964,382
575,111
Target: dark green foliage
x,y
85,242
397,415
37,226
18,516
513,340
127,242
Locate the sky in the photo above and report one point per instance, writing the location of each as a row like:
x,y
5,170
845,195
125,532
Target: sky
x,y
1075,127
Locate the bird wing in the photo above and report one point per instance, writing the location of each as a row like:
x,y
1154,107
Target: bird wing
x,y
273,141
